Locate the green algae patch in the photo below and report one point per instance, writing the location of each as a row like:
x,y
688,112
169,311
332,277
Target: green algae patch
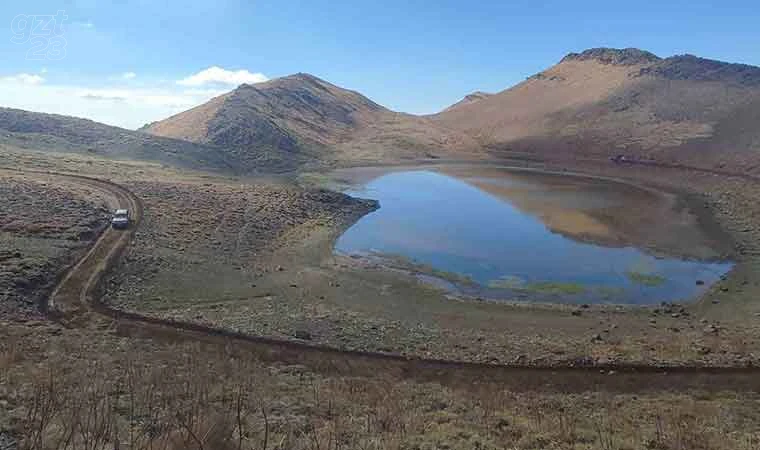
x,y
646,279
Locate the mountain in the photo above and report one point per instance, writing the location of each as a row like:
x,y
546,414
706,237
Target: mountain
x,y
56,133
301,119
593,104
603,102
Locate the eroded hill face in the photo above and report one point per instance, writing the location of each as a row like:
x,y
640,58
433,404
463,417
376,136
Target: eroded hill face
x,y
301,119
605,102
289,112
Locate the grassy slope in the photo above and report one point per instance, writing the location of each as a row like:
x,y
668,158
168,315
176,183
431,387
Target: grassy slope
x,y
56,133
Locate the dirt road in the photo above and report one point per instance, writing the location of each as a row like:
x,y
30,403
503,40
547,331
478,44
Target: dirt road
x,y
74,295
75,302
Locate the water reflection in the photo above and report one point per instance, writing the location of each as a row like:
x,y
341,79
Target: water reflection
x,y
522,236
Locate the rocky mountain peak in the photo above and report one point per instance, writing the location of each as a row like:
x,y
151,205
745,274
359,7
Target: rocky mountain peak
x,y
614,56
694,68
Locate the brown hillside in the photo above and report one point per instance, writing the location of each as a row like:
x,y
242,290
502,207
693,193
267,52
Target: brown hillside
x,y
55,133
469,99
302,119
604,101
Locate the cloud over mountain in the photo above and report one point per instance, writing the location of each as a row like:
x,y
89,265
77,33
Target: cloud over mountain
x,y
218,75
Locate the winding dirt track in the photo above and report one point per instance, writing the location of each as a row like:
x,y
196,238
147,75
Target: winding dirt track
x,y
75,302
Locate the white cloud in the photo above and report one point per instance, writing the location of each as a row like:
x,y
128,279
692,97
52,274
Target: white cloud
x,y
88,24
218,75
23,78
121,100
128,107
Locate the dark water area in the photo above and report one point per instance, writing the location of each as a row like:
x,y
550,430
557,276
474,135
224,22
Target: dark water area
x,y
504,236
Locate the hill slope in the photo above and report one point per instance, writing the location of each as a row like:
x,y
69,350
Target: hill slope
x,y
55,133
469,99
302,119
603,102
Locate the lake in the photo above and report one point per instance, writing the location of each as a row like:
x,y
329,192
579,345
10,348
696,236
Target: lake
x,y
500,234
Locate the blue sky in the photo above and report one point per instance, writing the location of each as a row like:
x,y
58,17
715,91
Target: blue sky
x,y
125,60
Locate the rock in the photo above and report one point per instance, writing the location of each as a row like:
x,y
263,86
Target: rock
x,y
279,269
711,329
715,301
576,313
597,338
303,335
583,361
7,442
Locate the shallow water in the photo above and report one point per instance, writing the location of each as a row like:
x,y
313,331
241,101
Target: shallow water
x,y
517,236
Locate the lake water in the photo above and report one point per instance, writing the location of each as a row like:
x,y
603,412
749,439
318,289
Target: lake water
x,y
517,236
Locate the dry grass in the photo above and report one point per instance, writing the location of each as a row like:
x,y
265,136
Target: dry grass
x,y
86,389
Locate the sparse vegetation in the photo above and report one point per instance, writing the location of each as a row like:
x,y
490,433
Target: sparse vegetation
x,y
83,389
44,226
537,287
548,287
646,279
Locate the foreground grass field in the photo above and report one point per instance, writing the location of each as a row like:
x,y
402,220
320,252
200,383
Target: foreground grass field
x,y
94,389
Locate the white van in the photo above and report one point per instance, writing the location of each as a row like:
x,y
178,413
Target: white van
x,y
120,218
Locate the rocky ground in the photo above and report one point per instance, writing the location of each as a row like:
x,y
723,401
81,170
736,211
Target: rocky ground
x,y
44,227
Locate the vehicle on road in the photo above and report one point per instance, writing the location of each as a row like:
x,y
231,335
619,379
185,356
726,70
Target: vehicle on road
x,y
120,219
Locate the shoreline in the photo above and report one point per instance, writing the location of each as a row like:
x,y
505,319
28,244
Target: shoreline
x,y
318,296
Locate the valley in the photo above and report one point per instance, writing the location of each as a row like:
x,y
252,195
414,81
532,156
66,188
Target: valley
x,y
228,294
